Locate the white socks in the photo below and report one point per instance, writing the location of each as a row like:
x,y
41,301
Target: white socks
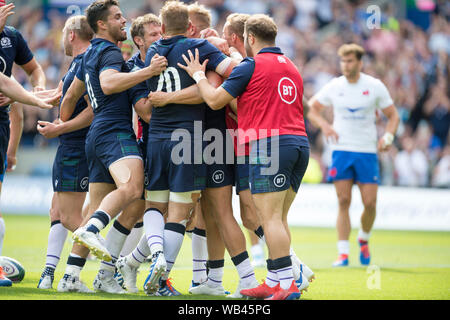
x,y
154,229
56,239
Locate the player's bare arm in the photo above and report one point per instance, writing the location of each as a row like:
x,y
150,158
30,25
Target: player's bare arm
x,y
16,129
54,129
189,96
36,74
315,116
387,139
216,98
113,81
73,94
16,92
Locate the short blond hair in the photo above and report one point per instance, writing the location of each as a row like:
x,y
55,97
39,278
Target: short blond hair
x,y
137,26
262,27
80,26
236,22
201,15
351,48
175,17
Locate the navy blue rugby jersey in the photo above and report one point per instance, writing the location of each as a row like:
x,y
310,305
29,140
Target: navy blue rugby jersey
x,y
111,112
78,135
13,48
175,116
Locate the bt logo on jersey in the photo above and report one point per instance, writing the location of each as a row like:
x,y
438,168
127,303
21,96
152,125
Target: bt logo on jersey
x,y
287,90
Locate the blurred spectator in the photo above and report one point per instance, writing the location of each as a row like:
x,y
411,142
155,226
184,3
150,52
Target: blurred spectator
x,y
411,165
441,173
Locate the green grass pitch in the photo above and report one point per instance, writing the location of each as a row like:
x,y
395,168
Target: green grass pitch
x,y
405,266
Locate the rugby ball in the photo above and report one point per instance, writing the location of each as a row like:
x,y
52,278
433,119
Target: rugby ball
x,y
14,271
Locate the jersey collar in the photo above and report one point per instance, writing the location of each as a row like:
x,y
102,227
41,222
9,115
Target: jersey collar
x,y
275,50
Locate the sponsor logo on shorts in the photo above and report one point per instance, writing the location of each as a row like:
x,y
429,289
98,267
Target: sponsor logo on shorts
x,y
279,180
84,183
218,176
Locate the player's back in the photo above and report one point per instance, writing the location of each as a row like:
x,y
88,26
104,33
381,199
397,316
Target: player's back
x,y
110,111
273,97
175,116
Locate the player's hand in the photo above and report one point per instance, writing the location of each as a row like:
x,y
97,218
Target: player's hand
x,y
52,97
383,146
12,162
4,100
193,63
209,32
38,89
48,129
157,65
331,136
159,98
5,12
220,44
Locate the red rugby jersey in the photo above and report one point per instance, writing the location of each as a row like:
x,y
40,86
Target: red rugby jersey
x,y
269,89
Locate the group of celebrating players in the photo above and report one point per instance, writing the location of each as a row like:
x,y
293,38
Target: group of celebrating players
x,y
129,134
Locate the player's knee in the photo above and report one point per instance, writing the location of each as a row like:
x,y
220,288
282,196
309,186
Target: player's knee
x,y
370,206
344,201
54,214
132,191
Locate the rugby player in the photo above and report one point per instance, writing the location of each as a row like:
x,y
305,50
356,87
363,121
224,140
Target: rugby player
x,y
176,178
268,116
355,98
115,165
14,49
70,169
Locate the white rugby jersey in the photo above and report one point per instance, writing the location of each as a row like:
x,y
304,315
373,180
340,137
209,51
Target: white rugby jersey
x,y
354,108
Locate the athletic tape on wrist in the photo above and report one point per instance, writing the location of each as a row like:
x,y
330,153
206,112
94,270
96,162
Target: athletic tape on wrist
x,y
198,76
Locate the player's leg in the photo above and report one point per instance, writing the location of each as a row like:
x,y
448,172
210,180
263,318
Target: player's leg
x,y
157,203
252,223
56,238
216,255
232,235
369,200
277,166
4,140
367,178
77,258
199,247
127,175
343,224
180,209
2,224
138,207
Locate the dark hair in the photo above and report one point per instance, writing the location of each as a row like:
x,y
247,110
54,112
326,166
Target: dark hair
x,y
99,10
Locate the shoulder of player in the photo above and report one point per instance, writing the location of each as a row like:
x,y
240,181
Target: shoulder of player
x,y
370,80
10,31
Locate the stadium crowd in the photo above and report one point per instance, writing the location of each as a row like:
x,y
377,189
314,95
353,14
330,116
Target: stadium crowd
x,y
410,55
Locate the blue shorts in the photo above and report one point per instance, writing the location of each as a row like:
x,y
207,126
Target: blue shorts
x,y
4,141
357,166
241,174
102,150
282,172
177,176
70,169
